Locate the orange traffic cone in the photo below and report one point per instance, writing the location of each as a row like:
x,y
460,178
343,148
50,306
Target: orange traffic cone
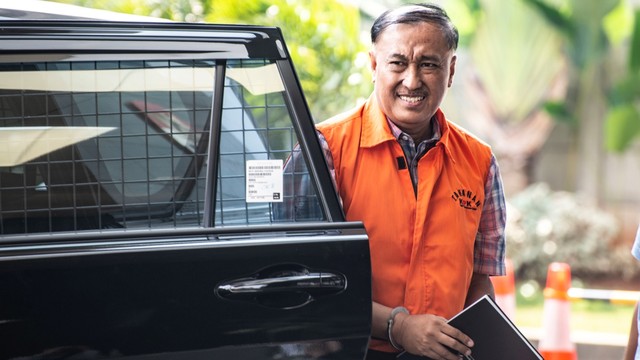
x,y
505,289
555,342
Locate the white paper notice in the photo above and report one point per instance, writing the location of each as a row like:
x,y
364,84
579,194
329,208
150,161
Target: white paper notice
x,y
264,181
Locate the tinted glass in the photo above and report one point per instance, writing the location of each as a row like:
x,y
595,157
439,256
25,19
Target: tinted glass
x,y
257,141
124,144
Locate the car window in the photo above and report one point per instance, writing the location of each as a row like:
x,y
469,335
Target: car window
x,y
252,149
125,144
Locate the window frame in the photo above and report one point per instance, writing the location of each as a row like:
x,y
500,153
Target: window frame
x,y
138,41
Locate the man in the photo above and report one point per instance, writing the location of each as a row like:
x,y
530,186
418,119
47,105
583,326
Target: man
x,y
632,351
429,193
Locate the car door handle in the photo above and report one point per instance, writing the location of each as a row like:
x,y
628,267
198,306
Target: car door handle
x,y
283,286
314,283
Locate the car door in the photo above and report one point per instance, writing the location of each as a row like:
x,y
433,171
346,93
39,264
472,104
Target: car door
x,y
149,206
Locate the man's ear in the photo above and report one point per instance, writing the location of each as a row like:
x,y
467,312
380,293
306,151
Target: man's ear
x,y
373,64
452,70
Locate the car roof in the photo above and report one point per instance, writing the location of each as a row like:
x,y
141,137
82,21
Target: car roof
x,y
47,10
29,26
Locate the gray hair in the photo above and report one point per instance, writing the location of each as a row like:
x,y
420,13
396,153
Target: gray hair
x,y
417,13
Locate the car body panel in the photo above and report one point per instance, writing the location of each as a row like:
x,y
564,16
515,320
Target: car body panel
x,y
160,295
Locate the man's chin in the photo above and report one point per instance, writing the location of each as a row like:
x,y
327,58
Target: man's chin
x,y
413,115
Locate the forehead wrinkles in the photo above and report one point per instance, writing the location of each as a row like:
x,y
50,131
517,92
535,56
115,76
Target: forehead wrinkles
x,y
411,40
408,53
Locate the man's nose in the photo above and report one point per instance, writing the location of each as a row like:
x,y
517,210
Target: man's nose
x,y
412,78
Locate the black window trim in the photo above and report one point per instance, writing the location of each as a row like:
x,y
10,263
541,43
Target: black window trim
x,y
15,245
76,41
307,136
210,193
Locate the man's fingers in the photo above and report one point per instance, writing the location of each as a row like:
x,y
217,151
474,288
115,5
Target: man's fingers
x,y
431,336
444,353
457,335
456,340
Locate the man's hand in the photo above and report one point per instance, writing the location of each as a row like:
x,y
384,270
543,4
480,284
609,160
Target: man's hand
x,y
431,336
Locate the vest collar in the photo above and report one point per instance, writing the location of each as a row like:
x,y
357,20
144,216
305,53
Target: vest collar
x,y
375,129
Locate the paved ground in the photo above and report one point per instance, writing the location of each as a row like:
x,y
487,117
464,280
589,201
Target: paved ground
x,y
590,346
599,352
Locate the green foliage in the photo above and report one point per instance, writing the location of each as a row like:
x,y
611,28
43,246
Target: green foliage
x,y
555,17
622,123
582,24
625,91
323,38
559,111
589,27
621,127
466,15
618,24
516,64
545,226
324,41
634,58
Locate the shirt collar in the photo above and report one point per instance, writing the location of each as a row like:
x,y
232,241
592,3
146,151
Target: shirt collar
x,y
435,128
377,128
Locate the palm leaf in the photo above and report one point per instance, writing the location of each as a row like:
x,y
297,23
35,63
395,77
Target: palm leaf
x,y
634,61
556,18
622,125
518,57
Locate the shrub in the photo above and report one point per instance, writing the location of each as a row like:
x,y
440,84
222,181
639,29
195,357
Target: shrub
x,y
544,226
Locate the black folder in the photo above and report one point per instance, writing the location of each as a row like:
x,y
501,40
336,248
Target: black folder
x,y
495,337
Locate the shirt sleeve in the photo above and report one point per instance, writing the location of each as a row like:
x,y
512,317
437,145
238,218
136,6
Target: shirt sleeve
x,y
326,151
300,202
490,244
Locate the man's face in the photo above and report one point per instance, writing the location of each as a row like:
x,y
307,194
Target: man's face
x,y
412,69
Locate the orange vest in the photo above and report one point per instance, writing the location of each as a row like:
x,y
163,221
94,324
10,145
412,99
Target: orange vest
x,y
422,248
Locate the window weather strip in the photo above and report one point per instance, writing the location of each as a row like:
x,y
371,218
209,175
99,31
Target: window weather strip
x,y
308,140
214,147
246,108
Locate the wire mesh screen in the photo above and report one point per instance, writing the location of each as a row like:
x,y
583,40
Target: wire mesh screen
x,y
103,145
124,144
257,125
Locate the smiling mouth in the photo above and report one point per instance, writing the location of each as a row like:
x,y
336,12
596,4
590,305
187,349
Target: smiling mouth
x,y
411,99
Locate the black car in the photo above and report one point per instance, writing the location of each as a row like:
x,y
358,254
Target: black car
x,y
144,205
